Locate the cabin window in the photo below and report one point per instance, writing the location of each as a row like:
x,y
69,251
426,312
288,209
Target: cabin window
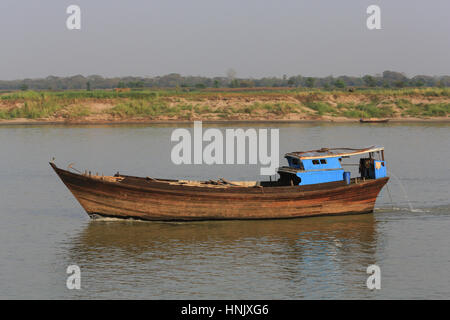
x,y
315,161
295,162
323,161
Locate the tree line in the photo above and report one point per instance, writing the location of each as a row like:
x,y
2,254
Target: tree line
x,y
388,79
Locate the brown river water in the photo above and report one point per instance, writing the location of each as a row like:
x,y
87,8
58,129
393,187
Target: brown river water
x,y
43,229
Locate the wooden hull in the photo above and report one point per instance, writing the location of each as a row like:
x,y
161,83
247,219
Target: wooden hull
x,y
145,199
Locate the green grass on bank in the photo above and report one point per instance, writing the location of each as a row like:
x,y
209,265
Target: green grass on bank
x,y
379,103
155,93
70,95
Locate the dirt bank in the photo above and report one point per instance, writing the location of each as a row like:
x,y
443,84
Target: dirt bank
x,y
172,106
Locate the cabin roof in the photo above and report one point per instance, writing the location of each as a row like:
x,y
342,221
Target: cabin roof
x,y
331,152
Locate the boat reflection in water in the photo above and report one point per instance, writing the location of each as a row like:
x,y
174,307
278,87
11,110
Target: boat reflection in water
x,y
227,259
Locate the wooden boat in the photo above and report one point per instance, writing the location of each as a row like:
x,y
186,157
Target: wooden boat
x,y
374,121
313,184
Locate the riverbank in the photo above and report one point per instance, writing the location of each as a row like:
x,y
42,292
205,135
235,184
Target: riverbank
x,y
175,106
18,122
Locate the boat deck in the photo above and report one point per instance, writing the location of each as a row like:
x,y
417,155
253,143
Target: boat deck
x,y
220,183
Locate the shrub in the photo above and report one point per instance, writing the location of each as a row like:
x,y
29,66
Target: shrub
x,y
321,107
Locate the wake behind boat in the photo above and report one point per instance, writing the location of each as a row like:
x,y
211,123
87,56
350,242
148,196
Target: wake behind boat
x,y
314,183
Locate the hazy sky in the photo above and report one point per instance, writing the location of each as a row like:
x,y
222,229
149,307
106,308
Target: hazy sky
x,y
206,37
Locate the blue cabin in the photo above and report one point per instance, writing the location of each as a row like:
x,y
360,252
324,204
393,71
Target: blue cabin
x,y
324,165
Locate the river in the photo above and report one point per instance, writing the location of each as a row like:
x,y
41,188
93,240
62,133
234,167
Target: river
x,y
43,229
